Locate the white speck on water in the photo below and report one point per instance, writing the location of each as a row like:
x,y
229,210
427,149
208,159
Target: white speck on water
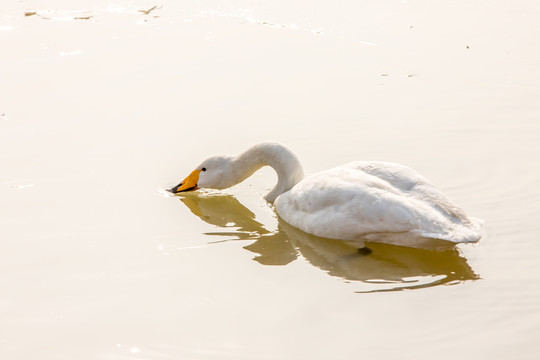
x,y
7,28
119,9
135,350
70,53
21,186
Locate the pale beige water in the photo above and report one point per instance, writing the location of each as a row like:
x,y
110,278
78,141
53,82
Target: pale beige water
x,y
98,115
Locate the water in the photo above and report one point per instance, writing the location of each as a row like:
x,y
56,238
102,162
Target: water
x,y
98,115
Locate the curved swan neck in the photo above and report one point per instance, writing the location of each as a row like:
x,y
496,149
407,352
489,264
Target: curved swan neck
x,y
282,160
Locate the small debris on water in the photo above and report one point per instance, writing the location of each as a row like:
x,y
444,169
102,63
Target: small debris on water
x,y
146,12
60,15
365,251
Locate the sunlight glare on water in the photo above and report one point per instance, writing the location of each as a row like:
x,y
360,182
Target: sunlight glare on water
x,y
105,104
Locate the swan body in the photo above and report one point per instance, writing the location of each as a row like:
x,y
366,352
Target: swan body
x,y
352,202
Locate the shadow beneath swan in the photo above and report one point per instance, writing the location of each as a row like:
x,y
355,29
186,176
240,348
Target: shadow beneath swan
x,y
387,268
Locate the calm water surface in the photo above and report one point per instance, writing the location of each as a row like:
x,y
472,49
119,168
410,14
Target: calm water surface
x,y
102,106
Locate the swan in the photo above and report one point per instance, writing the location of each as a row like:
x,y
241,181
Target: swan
x,y
359,201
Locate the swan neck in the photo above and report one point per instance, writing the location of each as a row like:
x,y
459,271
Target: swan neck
x,y
282,160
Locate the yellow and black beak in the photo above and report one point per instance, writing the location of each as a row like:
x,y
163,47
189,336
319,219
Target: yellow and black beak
x,y
189,183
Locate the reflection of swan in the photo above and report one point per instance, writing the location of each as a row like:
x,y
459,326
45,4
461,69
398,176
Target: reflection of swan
x,y
350,202
226,212
387,268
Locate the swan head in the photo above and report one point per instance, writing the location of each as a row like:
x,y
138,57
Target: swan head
x,y
213,173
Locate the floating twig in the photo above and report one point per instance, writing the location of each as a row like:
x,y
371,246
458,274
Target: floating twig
x,y
147,12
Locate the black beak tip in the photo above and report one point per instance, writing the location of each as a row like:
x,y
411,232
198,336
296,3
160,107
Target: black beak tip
x,y
174,189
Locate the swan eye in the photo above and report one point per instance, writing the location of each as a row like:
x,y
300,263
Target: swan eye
x,y
203,169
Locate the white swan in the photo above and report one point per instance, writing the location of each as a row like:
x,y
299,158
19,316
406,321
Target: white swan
x,y
364,200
